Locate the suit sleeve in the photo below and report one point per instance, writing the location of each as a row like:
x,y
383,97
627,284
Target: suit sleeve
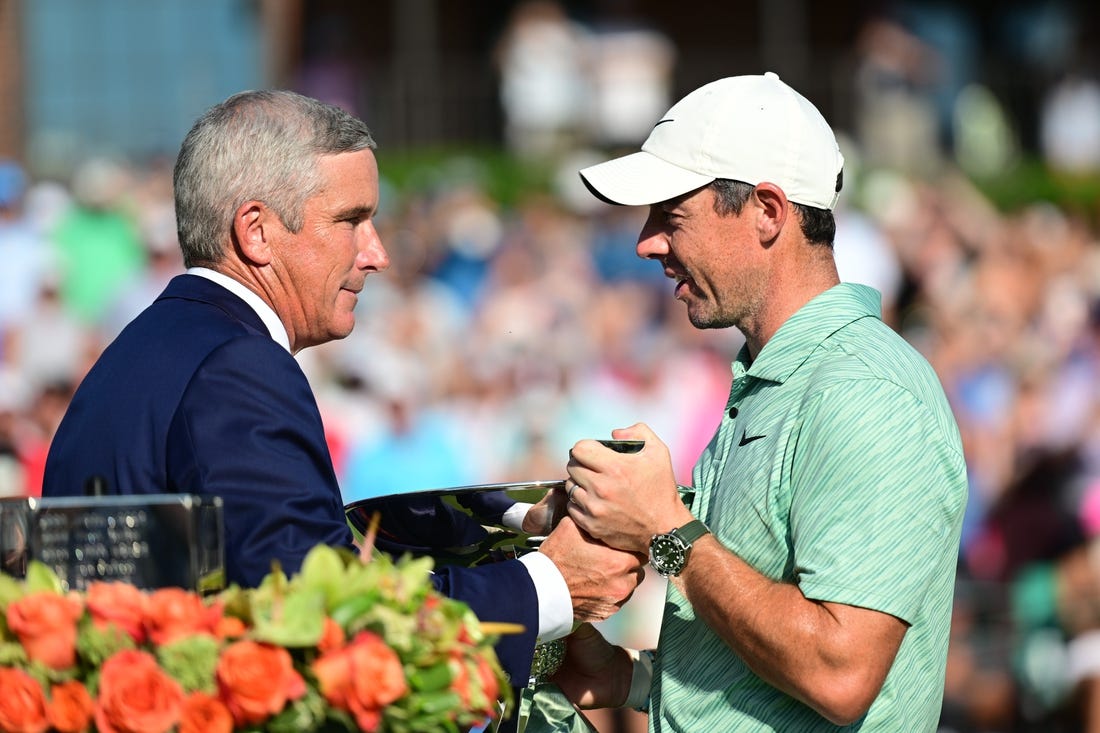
x,y
248,430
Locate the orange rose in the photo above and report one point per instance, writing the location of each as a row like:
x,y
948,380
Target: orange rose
x,y
120,604
70,708
484,677
229,627
256,680
332,636
174,612
46,626
361,678
23,704
368,719
204,713
136,696
490,684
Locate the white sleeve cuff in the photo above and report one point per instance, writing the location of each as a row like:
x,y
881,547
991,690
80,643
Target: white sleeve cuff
x,y
513,515
555,604
1083,652
640,680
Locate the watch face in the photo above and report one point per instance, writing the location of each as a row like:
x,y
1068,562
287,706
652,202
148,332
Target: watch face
x,y
667,554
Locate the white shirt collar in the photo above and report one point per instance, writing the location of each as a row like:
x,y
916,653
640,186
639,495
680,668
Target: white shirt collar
x,y
263,310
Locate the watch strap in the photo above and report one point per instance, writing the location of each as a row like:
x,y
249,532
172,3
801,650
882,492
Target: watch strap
x,y
641,679
692,531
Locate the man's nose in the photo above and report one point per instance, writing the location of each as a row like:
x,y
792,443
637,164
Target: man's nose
x,y
652,240
372,253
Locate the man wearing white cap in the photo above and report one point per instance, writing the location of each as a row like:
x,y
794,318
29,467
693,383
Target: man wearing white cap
x,y
812,572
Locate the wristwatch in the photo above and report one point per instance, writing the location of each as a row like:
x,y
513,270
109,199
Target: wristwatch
x,y
668,552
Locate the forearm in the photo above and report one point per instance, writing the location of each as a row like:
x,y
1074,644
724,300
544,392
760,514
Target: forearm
x,y
816,652
597,674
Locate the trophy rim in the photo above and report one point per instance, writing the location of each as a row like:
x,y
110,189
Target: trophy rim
x,y
514,485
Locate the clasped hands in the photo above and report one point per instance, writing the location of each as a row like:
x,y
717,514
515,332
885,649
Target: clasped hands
x,y
620,499
602,520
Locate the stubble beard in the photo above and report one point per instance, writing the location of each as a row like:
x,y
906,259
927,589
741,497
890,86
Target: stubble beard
x,y
709,317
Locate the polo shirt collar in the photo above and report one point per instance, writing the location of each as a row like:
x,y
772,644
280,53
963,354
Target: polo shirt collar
x,y
811,325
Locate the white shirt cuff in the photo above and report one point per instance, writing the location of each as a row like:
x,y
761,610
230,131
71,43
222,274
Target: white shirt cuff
x,y
1083,656
513,516
555,604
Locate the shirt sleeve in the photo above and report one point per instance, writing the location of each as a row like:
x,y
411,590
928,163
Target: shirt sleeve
x,y
876,499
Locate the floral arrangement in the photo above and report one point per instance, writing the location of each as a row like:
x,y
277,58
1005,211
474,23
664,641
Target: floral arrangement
x,y
344,645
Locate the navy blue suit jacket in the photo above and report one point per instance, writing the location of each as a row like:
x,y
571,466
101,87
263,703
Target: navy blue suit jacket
x,y
194,396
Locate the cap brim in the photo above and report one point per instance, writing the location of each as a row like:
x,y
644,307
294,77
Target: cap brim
x,y
640,179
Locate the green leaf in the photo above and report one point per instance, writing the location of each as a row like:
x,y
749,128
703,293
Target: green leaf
x,y
10,590
298,621
434,678
96,645
305,714
438,702
40,577
191,661
12,654
328,570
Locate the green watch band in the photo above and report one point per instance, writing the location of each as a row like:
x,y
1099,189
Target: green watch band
x,y
692,531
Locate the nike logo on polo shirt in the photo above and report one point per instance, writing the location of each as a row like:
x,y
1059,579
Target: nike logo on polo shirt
x,y
746,441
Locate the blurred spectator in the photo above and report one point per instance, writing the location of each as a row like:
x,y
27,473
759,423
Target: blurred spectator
x,y
543,78
24,252
864,255
631,76
46,409
13,407
50,345
984,139
896,116
1069,126
416,449
163,261
98,242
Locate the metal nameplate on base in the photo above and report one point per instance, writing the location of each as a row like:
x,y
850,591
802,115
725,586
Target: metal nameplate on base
x,y
150,541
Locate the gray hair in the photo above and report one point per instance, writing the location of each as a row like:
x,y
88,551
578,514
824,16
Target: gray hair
x,y
256,145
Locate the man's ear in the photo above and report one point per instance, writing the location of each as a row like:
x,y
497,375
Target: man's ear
x,y
253,227
773,208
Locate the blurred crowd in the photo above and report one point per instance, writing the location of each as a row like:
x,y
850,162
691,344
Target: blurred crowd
x,y
504,333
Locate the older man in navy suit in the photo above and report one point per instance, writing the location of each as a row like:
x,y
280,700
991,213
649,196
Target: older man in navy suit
x,y
275,201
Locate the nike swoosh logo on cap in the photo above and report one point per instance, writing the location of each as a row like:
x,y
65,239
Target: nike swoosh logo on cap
x,y
661,122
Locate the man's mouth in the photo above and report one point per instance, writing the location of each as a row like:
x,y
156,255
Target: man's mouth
x,y
683,285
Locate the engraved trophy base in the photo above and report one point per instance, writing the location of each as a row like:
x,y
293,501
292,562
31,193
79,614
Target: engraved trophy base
x,y
548,659
149,541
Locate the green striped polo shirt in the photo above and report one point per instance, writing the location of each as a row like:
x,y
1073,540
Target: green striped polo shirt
x,y
838,467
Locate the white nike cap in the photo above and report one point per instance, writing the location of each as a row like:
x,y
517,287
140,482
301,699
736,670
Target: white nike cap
x,y
744,128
